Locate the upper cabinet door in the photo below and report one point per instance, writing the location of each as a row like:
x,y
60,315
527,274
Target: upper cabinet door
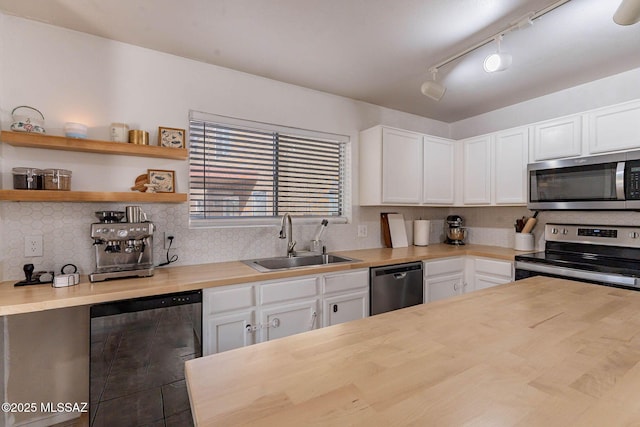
x,y
555,139
614,128
401,166
477,171
438,184
511,151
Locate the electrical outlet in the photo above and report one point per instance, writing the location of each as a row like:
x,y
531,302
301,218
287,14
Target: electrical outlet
x,y
33,246
362,230
167,242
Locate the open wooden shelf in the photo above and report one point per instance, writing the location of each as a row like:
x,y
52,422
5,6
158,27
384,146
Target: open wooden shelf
x,y
36,140
90,196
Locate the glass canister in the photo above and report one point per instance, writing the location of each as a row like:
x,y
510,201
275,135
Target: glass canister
x,y
27,178
57,179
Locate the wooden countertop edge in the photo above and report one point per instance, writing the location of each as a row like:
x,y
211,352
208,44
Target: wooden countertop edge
x,y
201,276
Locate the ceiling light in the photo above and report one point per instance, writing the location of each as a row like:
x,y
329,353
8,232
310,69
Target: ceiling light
x,y
628,13
433,89
498,61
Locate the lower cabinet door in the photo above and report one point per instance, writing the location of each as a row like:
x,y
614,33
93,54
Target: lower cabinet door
x,y
344,308
222,333
288,319
444,287
483,282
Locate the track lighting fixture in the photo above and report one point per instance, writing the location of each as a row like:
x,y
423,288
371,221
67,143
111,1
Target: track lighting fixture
x,y
433,89
498,61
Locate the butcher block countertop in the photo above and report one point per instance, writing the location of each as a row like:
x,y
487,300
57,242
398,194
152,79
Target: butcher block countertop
x,y
16,300
537,352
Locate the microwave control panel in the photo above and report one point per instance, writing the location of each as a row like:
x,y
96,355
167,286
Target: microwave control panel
x,y
632,180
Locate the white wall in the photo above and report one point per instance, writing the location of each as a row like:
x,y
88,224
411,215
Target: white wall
x,y
598,93
77,77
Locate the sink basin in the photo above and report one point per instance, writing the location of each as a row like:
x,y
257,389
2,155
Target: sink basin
x,y
287,263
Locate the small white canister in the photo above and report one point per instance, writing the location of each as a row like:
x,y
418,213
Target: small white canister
x,y
119,132
523,242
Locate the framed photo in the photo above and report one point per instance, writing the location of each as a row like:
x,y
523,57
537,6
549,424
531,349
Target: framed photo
x,y
171,137
165,181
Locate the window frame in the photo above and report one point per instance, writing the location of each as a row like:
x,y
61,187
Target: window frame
x,y
248,221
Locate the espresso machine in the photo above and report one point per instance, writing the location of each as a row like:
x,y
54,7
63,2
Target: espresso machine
x,y
123,249
455,231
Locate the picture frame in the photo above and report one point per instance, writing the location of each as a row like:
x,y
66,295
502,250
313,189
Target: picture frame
x,y
171,137
164,180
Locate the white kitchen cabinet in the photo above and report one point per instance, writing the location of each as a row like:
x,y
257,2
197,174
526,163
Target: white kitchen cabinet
x,y
558,138
438,171
282,320
390,166
239,315
476,183
614,128
229,315
345,297
444,287
444,278
449,277
226,332
485,273
345,307
510,154
401,166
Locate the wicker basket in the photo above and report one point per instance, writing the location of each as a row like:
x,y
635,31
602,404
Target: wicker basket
x,y
27,122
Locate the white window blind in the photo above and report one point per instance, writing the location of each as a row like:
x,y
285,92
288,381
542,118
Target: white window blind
x,y
240,169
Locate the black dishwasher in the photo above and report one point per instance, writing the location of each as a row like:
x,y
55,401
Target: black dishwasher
x,y
395,286
138,350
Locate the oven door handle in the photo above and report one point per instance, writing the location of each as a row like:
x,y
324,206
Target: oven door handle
x,y
570,273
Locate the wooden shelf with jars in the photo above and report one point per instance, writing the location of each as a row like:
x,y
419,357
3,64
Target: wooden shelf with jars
x,y
90,196
51,142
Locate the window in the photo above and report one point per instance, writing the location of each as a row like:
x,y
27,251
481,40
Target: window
x,y
250,172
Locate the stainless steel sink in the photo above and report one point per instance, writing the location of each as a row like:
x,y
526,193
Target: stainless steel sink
x,y
287,263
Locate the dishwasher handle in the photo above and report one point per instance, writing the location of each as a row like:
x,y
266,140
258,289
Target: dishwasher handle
x,y
400,276
396,270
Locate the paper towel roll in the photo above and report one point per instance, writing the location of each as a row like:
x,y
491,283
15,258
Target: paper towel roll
x,y
421,232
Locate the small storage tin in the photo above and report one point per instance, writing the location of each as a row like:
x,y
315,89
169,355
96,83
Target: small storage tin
x,y
57,179
27,178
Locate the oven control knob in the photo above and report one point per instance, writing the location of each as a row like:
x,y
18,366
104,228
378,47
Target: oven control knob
x,y
634,235
554,230
565,231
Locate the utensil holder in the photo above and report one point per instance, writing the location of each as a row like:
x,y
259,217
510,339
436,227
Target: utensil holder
x,y
523,242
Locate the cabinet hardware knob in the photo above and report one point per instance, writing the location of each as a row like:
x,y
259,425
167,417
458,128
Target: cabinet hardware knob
x,y
335,308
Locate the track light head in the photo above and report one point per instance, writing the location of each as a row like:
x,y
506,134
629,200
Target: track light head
x,y
628,13
498,61
433,89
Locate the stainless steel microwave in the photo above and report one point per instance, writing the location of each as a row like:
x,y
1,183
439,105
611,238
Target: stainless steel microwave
x,y
607,182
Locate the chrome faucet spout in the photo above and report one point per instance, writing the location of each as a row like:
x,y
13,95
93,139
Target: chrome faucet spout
x,y
286,232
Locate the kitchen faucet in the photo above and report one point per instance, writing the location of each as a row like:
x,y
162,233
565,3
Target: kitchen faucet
x,y
287,233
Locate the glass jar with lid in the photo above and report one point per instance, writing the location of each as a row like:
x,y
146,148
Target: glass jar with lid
x,y
27,178
57,179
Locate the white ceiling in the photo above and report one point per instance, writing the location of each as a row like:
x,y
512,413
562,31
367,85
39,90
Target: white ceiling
x,y
376,51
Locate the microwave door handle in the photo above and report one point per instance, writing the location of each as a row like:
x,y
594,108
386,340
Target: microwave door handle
x,y
620,181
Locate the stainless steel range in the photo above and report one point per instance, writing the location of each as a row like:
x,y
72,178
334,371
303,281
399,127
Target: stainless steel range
x,y
123,249
601,254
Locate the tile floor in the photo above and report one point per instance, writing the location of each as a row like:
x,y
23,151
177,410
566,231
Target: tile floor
x,y
137,368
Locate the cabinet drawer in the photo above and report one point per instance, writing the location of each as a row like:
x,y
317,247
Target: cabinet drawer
x,y
444,266
493,267
218,300
340,282
288,290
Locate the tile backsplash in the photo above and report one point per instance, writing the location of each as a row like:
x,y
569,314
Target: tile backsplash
x,y
64,228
